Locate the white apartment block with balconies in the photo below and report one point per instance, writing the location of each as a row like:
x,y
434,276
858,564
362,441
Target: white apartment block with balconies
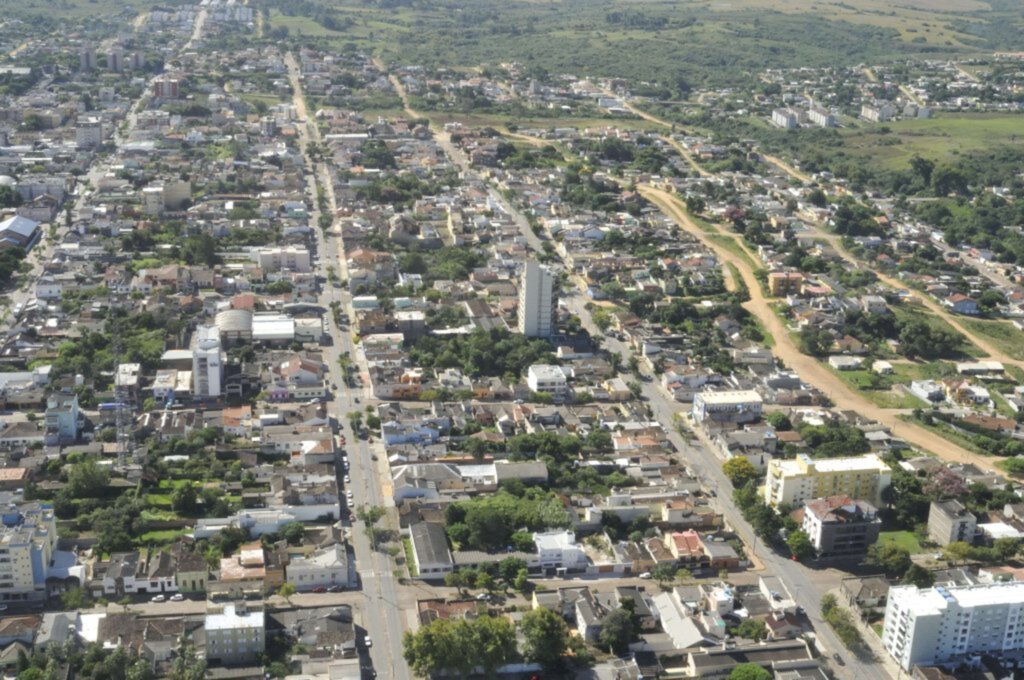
x,y
950,625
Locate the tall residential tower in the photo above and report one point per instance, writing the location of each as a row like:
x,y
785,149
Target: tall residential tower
x,y
537,301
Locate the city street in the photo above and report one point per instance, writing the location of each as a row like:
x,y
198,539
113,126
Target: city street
x,y
376,569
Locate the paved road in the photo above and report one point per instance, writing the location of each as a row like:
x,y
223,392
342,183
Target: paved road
x,y
383,618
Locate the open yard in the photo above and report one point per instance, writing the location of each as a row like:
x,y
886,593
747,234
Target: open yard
x,y
1002,334
881,390
904,539
941,138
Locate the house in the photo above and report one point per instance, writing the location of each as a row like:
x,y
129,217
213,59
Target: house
x,y
928,390
958,303
869,592
842,362
327,566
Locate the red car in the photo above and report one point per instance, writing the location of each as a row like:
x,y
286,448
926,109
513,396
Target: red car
x,y
319,589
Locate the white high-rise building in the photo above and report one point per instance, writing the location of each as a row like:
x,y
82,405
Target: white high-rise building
x,y
949,625
28,541
207,363
89,132
536,301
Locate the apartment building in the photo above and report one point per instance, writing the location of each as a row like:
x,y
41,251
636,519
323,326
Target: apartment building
x,y
207,363
949,521
802,478
291,258
840,526
235,634
950,625
28,540
536,301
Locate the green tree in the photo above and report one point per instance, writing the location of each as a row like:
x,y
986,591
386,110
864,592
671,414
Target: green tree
x,y
484,581
664,573
185,499
75,598
545,637
521,581
287,590
779,421
87,479
739,470
751,629
1006,548
188,665
510,567
617,630
749,671
799,544
458,647
892,557
916,575
957,551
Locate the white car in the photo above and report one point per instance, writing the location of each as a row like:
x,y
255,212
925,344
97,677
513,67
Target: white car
x,y
177,597
368,641
159,598
348,480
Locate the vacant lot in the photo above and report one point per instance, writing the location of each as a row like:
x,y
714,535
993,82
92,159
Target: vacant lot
x,y
1000,333
904,539
941,138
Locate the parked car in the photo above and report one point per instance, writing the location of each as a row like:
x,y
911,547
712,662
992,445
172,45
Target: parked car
x,y
159,598
177,597
348,480
368,641
320,589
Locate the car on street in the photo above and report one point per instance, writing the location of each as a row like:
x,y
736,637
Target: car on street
x,y
320,589
348,480
838,659
159,598
646,575
367,641
177,597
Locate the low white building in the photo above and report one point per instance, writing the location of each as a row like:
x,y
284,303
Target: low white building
x,y
558,549
546,378
325,567
734,406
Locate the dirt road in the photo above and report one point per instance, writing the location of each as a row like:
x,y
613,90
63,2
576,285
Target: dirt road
x,y
809,369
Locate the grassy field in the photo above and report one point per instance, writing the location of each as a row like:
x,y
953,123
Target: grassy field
x,y
730,244
671,43
879,390
941,138
920,313
81,9
904,539
540,122
1002,334
162,536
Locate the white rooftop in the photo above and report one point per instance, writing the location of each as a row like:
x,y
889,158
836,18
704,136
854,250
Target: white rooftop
x,y
230,619
730,397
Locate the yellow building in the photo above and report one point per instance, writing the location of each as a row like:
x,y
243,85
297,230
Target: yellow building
x,y
794,481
